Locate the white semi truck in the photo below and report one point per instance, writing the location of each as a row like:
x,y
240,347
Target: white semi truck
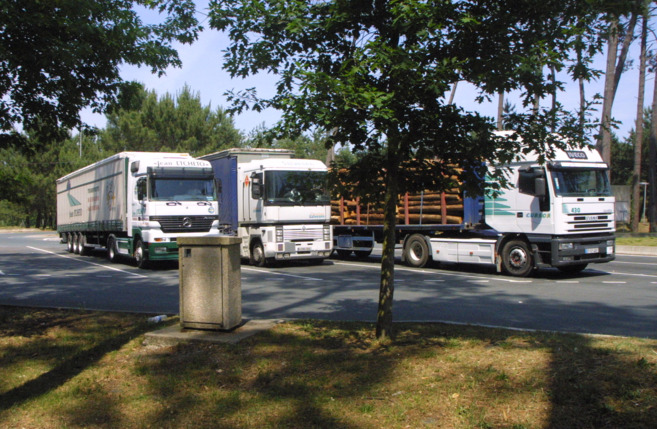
x,y
278,205
560,214
137,204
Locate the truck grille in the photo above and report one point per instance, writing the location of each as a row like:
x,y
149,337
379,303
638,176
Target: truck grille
x,y
184,223
590,222
299,234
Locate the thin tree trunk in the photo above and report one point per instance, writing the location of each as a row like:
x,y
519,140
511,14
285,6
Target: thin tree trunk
x,y
500,110
453,92
604,144
612,79
636,176
652,169
387,287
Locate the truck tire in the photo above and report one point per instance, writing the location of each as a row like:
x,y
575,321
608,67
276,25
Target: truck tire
x,y
76,243
517,259
258,255
416,251
111,249
69,242
141,260
84,250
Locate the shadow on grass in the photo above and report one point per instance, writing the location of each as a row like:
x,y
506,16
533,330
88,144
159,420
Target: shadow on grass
x,y
336,375
78,355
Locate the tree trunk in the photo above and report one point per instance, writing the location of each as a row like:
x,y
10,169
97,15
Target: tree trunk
x,y
612,78
604,143
652,169
387,288
636,176
500,110
453,92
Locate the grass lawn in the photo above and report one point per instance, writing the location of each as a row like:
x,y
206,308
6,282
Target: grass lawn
x,y
636,241
79,369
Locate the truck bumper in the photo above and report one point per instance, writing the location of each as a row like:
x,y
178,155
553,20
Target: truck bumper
x,y
299,250
582,250
163,251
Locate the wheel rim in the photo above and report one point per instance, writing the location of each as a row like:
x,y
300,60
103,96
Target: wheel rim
x,y
69,243
139,253
110,250
416,252
518,258
258,254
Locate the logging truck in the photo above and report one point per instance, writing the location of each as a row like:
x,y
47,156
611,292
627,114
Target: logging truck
x,y
560,214
278,205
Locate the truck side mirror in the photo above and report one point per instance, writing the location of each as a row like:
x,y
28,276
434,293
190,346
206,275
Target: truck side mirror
x,y
141,189
217,186
256,186
540,187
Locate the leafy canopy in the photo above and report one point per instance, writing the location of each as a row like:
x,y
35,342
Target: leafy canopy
x,y
60,56
376,75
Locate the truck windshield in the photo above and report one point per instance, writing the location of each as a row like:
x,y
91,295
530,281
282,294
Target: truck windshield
x,y
296,188
169,189
581,182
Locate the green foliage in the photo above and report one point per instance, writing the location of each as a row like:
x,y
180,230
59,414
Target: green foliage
x,y
57,57
377,73
303,146
139,121
142,121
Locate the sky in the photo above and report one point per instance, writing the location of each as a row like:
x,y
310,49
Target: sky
x,y
202,72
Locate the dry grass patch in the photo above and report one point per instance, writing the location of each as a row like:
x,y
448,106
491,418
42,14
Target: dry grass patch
x,y
84,369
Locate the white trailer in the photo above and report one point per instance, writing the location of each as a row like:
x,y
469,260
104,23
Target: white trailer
x,y
137,204
278,205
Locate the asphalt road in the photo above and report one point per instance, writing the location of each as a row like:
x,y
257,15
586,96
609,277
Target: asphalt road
x,y
617,298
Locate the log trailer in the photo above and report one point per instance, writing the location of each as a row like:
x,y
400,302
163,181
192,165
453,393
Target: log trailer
x,y
560,214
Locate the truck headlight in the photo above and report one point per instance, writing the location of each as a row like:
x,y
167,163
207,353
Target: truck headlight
x,y
566,246
279,234
327,233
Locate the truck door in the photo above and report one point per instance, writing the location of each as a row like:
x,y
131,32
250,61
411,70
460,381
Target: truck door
x,y
532,208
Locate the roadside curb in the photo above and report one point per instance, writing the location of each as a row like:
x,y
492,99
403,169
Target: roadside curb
x,y
637,250
174,334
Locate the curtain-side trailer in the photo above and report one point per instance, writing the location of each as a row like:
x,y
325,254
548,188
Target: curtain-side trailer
x,y
560,214
137,204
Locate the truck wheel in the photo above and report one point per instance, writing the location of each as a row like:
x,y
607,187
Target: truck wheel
x,y
69,242
572,269
111,249
140,254
416,251
517,258
76,243
258,255
84,250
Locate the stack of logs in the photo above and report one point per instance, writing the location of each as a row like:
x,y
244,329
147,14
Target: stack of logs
x,y
412,209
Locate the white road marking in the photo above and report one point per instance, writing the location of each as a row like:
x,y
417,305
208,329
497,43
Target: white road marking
x,y
438,272
278,274
87,262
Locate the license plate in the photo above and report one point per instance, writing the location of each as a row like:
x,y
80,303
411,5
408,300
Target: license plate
x,y
591,250
303,249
